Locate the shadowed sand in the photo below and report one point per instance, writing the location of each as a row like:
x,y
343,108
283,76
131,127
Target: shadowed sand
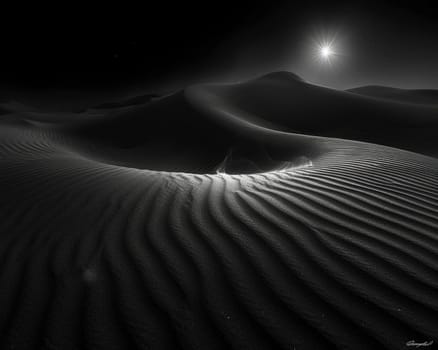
x,y
263,215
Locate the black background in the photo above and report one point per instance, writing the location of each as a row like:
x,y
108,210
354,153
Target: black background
x,y
74,45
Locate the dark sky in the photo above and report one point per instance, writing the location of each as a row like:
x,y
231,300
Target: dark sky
x,y
164,45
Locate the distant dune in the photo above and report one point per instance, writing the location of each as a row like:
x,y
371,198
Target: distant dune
x,y
420,96
270,214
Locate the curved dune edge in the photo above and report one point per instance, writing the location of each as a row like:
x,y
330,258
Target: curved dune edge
x,y
339,254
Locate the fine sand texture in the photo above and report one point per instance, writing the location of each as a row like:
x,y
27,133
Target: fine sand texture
x,y
269,214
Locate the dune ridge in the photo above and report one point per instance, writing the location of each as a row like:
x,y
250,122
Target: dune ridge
x,y
106,245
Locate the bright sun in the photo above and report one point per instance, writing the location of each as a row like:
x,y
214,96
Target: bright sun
x,y
326,51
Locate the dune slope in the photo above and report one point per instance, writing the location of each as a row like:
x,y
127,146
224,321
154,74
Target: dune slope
x,y
417,96
248,216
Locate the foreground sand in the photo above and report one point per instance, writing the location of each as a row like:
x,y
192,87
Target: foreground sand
x,y
196,222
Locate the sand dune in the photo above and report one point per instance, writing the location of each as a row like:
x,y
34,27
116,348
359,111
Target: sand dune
x,y
246,216
418,96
